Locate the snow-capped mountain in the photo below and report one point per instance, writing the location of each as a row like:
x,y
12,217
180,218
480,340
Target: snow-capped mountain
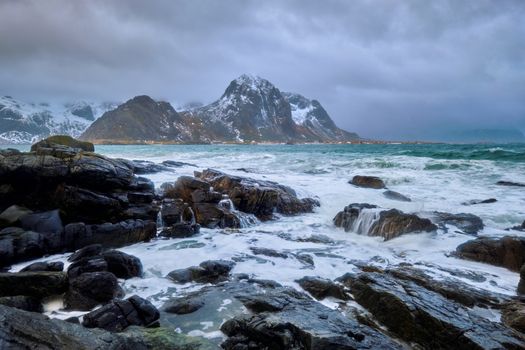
x,y
250,109
22,122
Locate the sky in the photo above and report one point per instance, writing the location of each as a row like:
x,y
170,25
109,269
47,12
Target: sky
x,y
386,69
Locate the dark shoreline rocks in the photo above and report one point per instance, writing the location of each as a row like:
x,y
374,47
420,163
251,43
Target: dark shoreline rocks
x,y
508,251
367,182
385,223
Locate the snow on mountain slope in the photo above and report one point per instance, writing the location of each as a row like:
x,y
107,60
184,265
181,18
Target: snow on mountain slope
x,y
22,122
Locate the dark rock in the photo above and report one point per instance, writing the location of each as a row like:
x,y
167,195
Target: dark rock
x,y
184,305
23,303
507,251
56,266
63,140
123,265
89,264
477,201
18,245
49,225
91,289
87,251
201,196
180,230
321,288
286,319
451,289
367,182
12,215
211,271
123,233
510,183
387,223
396,196
146,167
120,314
521,283
268,252
468,223
28,330
175,164
513,315
212,216
171,211
418,315
36,284
322,239
261,198
140,197
184,187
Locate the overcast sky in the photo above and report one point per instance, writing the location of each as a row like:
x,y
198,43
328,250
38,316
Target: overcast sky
x,y
385,69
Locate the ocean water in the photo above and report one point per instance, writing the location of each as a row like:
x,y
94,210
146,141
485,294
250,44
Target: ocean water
x,y
435,177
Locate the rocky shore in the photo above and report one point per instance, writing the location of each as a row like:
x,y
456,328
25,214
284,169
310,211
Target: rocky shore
x,y
63,198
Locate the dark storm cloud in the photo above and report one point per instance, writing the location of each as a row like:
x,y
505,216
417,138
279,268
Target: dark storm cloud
x,y
392,69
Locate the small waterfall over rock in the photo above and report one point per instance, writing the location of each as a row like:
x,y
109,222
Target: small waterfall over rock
x,y
245,219
366,219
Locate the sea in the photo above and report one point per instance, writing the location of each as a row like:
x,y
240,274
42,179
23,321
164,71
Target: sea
x,y
437,177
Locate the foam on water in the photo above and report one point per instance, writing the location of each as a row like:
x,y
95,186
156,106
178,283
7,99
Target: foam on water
x,y
433,184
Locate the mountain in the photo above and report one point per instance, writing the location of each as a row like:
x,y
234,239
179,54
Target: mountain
x,y
250,109
22,122
139,119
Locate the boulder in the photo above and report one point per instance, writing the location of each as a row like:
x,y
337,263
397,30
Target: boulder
x,y
12,215
23,302
172,211
258,197
89,264
367,182
286,319
468,223
480,201
122,265
19,245
87,251
34,284
510,183
508,251
212,215
211,271
369,220
184,187
180,230
120,314
63,140
91,289
55,266
185,305
321,288
49,224
28,330
513,315
521,284
396,196
146,167
424,317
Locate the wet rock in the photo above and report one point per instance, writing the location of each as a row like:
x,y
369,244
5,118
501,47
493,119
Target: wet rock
x,y
171,211
88,264
468,223
451,289
418,315
78,235
211,271
146,167
120,314
23,302
510,183
185,305
396,196
19,245
508,251
201,196
184,187
212,215
321,288
87,251
286,319
321,239
367,182
387,223
261,198
91,289
513,315
478,201
268,252
36,284
521,283
175,164
518,228
56,266
12,215
122,265
180,230
63,140
28,330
